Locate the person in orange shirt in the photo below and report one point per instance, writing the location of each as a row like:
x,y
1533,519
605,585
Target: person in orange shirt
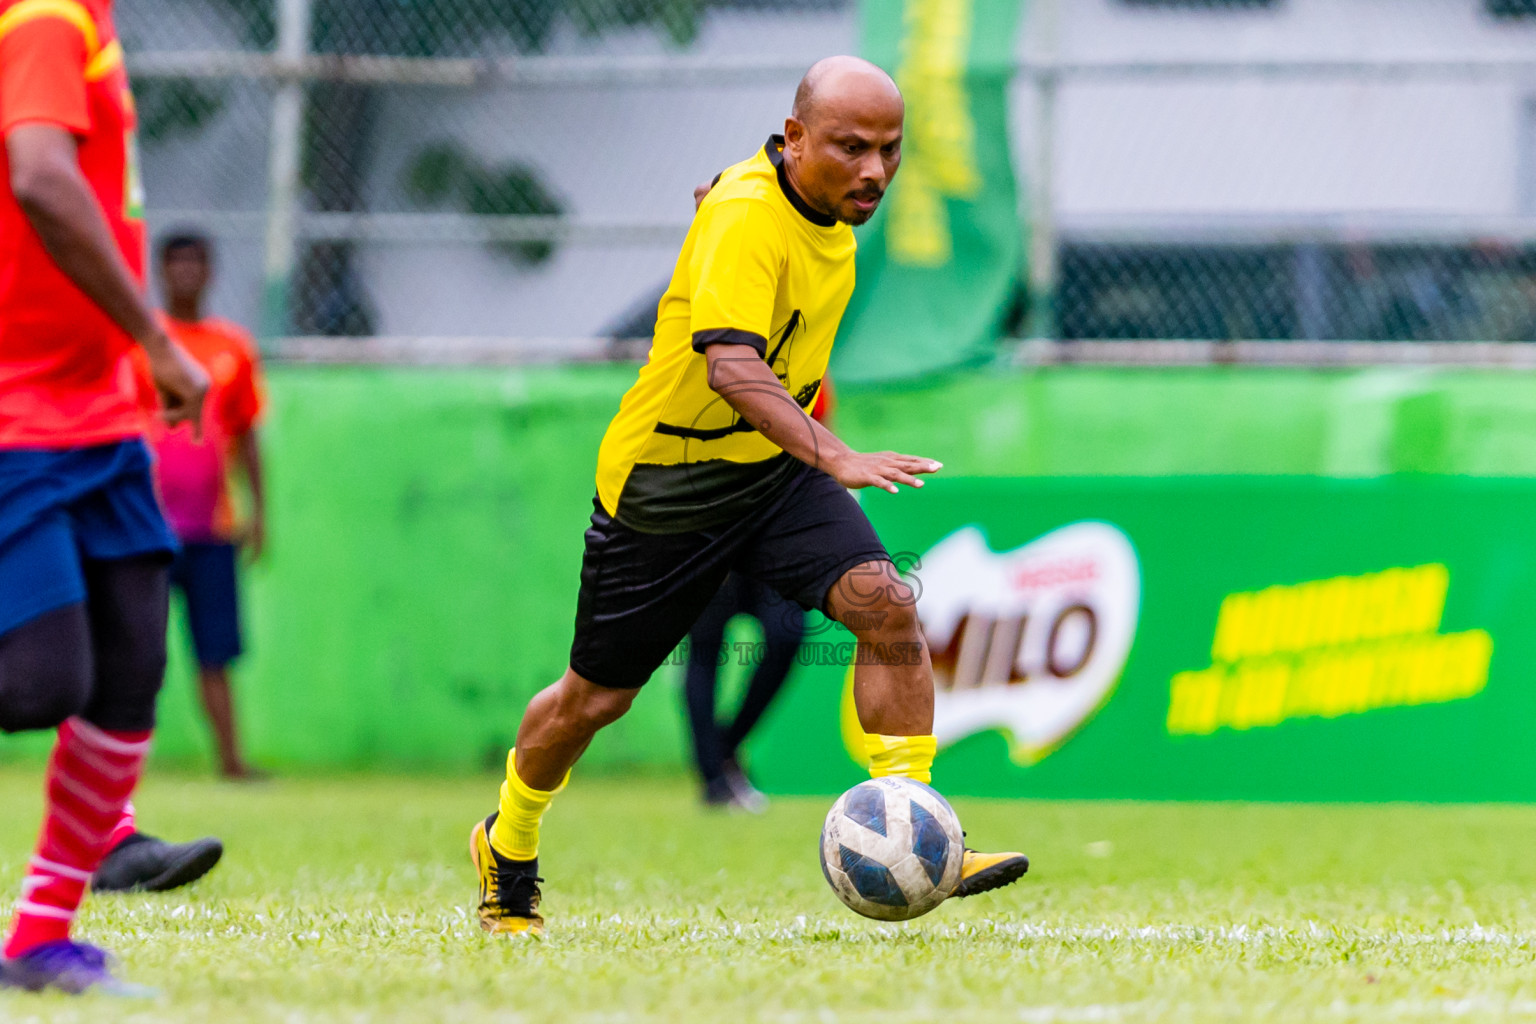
x,y
84,547
193,477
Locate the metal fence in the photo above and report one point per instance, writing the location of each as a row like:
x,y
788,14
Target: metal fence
x,y
459,169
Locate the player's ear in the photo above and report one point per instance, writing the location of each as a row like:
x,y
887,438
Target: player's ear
x,y
794,135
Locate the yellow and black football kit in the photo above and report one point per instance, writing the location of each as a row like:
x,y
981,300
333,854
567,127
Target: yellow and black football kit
x,y
686,490
761,268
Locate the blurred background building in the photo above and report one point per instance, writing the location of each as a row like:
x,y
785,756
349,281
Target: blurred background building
x,y
1248,169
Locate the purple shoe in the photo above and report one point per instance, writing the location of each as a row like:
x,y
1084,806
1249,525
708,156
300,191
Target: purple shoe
x,y
66,966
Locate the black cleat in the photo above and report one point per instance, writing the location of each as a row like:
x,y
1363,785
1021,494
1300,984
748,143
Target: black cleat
x,y
143,863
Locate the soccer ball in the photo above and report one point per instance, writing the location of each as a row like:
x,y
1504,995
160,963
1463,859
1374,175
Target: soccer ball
x,y
891,848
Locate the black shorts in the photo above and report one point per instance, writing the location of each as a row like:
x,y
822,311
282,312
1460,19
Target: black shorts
x,y
642,592
205,575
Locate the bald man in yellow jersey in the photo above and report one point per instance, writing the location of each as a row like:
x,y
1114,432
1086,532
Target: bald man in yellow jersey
x,y
712,465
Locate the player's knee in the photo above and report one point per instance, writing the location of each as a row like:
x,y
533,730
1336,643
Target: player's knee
x,y
605,706
46,671
875,603
41,692
128,681
585,706
900,611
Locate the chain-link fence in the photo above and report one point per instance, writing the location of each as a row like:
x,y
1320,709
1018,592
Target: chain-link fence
x,y
1369,200
454,169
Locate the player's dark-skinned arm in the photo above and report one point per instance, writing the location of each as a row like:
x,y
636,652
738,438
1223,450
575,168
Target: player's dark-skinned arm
x,y
738,374
58,202
248,456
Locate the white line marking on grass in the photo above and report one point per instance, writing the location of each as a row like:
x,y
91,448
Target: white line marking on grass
x,y
1239,935
1476,1007
1089,1014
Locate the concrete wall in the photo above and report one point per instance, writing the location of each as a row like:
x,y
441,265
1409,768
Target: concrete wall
x,y
1352,154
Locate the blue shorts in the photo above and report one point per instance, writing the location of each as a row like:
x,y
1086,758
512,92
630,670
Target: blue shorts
x,y
59,507
205,575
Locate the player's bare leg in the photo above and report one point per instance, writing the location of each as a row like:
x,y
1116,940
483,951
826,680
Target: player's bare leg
x,y
560,723
892,677
893,693
219,705
556,729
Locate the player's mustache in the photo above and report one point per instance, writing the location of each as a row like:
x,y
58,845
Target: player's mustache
x,y
871,194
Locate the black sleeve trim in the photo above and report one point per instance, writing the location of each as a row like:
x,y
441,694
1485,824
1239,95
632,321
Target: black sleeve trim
x,y
729,336
716,179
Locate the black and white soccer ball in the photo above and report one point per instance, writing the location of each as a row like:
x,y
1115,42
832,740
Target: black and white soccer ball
x,y
891,848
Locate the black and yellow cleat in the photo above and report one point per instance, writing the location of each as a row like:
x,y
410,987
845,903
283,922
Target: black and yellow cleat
x,y
509,889
983,872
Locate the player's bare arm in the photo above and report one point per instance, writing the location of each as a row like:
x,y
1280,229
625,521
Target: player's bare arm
x,y
739,375
58,202
248,456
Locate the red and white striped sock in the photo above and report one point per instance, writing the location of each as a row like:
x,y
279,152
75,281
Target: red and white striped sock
x,y
127,825
90,777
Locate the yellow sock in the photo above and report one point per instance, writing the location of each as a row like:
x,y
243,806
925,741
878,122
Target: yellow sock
x,y
911,756
516,832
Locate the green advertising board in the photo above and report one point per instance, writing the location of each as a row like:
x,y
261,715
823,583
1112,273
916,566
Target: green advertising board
x,y
1212,638
426,537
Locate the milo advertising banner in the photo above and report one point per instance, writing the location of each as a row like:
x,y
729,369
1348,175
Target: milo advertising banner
x,y
1208,638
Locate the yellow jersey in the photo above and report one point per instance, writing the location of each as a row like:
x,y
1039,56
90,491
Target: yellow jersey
x,y
759,267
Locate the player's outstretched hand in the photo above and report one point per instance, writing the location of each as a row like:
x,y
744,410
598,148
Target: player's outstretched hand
x,y
882,469
181,382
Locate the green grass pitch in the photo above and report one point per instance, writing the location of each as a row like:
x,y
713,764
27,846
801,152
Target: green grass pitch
x,y
349,900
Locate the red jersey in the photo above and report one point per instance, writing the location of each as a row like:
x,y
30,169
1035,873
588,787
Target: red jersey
x,y
823,404
193,475
64,374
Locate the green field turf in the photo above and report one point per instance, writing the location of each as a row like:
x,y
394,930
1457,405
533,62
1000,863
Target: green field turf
x,y
349,900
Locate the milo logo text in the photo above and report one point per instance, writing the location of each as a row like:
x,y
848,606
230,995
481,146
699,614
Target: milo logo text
x,y
1030,642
